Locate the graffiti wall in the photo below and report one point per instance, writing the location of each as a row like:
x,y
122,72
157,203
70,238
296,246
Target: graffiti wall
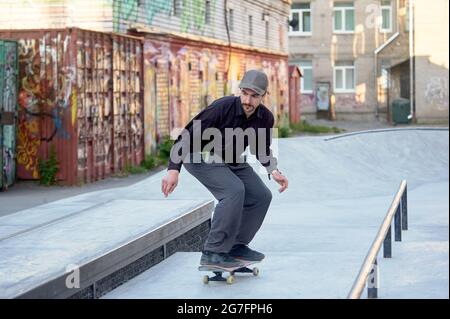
x,y
190,12
79,91
8,110
104,100
46,80
187,76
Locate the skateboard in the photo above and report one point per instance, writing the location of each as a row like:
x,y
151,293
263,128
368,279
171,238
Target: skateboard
x,y
218,271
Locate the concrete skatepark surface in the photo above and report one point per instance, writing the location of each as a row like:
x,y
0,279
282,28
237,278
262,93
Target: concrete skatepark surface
x,y
318,232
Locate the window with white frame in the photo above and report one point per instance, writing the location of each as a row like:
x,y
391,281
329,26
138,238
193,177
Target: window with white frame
x,y
301,12
344,77
306,81
343,17
386,16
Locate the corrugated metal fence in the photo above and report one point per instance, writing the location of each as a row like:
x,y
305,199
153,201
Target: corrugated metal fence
x,y
8,111
81,92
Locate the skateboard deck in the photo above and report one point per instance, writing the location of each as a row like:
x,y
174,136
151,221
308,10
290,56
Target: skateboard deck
x,y
218,271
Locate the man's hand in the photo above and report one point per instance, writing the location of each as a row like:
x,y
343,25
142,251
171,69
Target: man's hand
x,y
280,179
169,182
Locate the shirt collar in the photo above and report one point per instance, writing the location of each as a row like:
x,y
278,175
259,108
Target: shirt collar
x,y
240,110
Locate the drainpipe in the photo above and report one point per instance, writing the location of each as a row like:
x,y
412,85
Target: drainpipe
x,y
376,83
397,13
412,64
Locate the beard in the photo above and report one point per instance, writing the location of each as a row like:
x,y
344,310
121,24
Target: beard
x,y
248,107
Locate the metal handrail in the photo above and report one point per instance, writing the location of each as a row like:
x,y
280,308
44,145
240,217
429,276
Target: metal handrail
x,y
369,270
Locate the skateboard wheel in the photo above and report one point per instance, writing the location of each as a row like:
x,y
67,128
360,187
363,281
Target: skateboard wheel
x,y
255,271
205,280
230,280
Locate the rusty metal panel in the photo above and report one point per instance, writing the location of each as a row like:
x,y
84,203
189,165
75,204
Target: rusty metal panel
x,y
8,111
69,97
128,125
185,76
45,100
149,108
94,67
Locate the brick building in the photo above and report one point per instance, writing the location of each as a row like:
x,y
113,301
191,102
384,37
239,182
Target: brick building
x,y
358,54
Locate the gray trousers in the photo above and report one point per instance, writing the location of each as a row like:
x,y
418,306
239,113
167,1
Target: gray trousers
x,y
243,202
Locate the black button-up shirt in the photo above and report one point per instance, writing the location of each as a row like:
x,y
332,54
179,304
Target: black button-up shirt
x,y
227,113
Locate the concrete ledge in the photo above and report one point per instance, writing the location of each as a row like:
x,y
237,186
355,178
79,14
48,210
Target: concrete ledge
x,y
108,245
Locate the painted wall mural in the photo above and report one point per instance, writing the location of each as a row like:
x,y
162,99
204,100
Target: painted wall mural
x,y
8,109
81,92
104,100
192,13
186,78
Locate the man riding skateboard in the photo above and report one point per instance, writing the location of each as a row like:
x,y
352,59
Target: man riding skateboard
x,y
243,198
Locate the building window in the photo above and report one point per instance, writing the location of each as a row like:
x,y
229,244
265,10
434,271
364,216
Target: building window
x,y
267,30
177,7
250,25
306,82
231,19
344,77
301,12
386,16
344,17
207,12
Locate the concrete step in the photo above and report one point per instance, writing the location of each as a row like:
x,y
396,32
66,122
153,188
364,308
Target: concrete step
x,y
87,251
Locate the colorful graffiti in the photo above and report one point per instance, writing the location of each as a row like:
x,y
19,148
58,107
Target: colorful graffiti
x,y
109,109
73,95
30,97
46,81
124,10
28,148
8,106
186,78
192,12
152,7
85,92
193,16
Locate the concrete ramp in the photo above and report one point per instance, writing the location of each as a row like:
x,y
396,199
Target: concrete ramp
x,y
282,275
317,234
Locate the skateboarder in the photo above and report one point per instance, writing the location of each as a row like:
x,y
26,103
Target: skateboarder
x,y
243,198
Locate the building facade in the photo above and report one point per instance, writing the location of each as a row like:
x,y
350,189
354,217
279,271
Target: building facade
x,y
430,51
356,55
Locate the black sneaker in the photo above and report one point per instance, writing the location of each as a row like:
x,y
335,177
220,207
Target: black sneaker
x,y
210,258
242,252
